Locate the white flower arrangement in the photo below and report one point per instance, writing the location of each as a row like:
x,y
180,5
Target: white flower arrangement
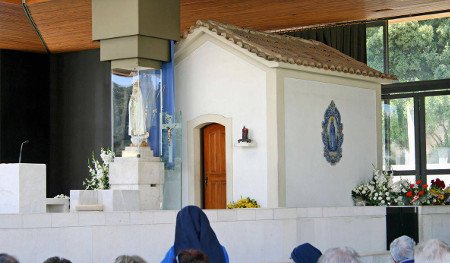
x,y
99,170
380,191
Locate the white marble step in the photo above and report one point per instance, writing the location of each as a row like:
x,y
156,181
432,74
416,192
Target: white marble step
x,y
131,151
134,158
133,171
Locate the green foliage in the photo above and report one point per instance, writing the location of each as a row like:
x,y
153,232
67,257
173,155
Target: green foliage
x,y
418,50
399,121
121,96
375,49
437,120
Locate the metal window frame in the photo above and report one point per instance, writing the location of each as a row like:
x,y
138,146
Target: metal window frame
x,y
418,91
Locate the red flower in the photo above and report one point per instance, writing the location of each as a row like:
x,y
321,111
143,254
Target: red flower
x,y
409,194
419,182
411,185
421,192
424,186
437,183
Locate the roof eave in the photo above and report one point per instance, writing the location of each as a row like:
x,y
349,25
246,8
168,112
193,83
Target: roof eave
x,y
333,73
196,32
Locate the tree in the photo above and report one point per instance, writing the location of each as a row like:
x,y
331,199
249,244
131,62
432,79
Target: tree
x,y
418,50
437,120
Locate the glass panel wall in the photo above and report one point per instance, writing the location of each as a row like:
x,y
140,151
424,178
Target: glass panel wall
x,y
437,124
412,48
419,49
398,131
375,47
416,123
171,131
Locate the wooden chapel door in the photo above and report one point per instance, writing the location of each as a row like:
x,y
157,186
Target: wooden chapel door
x,y
214,173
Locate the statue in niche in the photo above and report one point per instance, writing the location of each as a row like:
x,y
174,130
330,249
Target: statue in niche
x,y
136,108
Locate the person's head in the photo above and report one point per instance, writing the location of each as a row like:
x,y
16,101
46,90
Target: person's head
x,y
5,258
340,255
305,253
432,251
193,231
402,248
191,256
129,259
57,260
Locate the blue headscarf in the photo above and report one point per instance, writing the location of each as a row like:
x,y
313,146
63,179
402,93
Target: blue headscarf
x,y
193,231
305,253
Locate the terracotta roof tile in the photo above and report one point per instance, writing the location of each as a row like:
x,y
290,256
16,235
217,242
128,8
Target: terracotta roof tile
x,y
288,49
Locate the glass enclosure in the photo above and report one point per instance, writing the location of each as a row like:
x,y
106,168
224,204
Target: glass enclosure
x,y
150,82
162,124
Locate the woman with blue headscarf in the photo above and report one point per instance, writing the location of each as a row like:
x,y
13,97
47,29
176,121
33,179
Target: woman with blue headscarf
x,y
305,253
193,231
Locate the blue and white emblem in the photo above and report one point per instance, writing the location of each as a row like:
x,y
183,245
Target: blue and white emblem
x,y
332,136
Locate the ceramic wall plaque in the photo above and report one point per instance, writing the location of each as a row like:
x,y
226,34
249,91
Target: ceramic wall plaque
x,y
332,136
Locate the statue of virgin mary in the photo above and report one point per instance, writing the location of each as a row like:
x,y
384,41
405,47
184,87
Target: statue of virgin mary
x,y
136,107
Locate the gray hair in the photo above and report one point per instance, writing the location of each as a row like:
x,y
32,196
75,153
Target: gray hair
x,y
5,258
402,248
129,259
432,251
340,255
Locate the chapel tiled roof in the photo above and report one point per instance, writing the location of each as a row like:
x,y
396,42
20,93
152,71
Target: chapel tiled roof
x,y
288,49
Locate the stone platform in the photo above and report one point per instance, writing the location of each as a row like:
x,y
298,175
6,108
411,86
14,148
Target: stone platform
x,y
136,182
268,235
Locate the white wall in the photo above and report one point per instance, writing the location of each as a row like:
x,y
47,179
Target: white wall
x,y
310,179
212,80
434,223
249,235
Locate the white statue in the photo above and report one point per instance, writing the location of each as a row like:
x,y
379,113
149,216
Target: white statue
x,y
136,107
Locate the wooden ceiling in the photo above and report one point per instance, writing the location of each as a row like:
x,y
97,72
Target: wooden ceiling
x,y
66,24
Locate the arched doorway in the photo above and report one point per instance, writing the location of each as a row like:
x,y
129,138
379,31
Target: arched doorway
x,y
214,167
195,159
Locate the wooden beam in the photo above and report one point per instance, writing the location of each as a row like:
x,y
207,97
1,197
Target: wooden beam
x,y
31,2
18,2
16,31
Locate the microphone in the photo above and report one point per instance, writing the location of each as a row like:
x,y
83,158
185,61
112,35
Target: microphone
x,y
21,146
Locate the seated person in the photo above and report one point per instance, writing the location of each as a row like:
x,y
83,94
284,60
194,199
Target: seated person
x,y
191,256
305,253
340,255
402,249
432,251
129,259
5,258
193,231
56,260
